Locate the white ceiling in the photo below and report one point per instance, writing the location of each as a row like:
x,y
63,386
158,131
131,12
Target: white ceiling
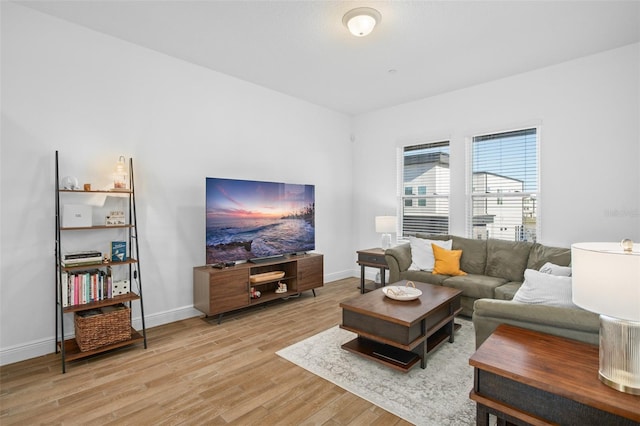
x,y
420,49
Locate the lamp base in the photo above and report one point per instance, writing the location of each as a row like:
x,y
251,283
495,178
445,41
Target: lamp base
x,y
386,241
620,354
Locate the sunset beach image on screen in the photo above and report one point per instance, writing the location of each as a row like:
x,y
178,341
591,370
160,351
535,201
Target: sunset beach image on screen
x,y
247,219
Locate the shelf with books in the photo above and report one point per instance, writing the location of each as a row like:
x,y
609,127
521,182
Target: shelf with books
x,y
86,280
100,303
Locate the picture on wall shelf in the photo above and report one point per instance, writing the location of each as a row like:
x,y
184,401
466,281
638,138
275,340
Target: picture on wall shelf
x,y
118,251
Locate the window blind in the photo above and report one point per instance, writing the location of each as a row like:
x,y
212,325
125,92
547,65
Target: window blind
x,y
504,186
424,189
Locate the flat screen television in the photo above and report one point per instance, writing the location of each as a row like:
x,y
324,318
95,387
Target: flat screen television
x,y
248,220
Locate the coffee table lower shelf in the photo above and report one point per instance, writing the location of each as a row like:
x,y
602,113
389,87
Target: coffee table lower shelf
x,y
391,356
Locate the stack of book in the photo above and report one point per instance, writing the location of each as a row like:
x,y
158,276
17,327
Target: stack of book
x,y
81,258
86,287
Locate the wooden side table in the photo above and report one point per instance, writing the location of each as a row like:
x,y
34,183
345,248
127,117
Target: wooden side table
x,y
529,378
373,258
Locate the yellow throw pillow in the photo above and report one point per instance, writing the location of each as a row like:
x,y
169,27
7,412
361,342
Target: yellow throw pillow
x,y
447,261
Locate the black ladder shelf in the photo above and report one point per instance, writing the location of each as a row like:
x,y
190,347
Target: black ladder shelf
x,y
69,348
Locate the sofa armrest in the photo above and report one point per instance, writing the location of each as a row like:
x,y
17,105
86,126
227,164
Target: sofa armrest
x,y
572,323
399,259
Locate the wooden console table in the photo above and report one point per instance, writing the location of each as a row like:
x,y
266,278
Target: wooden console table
x,y
373,258
529,378
218,291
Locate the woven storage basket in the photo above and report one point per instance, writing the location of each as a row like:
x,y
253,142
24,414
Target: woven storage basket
x,y
103,329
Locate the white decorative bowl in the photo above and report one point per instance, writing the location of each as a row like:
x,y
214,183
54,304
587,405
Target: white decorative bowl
x,y
401,293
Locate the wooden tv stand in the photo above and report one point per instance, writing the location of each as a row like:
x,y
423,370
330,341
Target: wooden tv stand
x,y
218,291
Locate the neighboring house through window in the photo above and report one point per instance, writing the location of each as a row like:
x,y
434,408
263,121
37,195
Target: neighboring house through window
x,y
504,186
425,193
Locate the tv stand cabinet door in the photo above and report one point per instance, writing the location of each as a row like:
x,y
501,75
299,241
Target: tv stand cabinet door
x,y
310,272
220,291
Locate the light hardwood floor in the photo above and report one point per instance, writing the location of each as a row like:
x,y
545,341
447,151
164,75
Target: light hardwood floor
x,y
197,372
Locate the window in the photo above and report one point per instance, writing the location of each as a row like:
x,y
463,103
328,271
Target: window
x,y
425,169
408,202
504,186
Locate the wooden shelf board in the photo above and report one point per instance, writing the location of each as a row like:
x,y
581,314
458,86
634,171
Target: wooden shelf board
x,y
383,340
106,302
99,265
96,191
72,351
366,348
94,227
262,283
268,296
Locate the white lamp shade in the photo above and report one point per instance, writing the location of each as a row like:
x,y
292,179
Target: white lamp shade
x,y
361,21
385,224
606,280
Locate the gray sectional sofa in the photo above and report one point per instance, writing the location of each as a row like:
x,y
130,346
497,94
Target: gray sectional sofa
x,y
495,271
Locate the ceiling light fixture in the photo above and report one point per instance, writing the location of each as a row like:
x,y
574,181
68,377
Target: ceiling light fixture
x,y
361,20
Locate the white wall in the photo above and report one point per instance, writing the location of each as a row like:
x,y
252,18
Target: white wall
x,y
589,113
93,98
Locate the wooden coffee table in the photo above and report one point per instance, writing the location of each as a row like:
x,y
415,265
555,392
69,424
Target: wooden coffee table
x,y
401,333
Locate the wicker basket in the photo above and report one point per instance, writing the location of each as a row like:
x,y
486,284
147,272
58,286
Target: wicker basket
x,y
110,326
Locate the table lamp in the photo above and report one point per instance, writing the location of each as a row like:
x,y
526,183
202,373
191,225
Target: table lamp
x,y
386,225
606,280
120,175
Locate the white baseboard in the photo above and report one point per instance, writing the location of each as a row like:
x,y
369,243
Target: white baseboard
x,y
335,276
28,350
46,346
369,274
166,317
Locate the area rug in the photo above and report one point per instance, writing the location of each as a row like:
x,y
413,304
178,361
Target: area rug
x,y
437,395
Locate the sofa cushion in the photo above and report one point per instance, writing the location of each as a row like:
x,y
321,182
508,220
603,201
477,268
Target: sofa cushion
x,y
576,318
539,288
541,254
475,286
507,291
474,254
423,277
507,259
447,261
422,258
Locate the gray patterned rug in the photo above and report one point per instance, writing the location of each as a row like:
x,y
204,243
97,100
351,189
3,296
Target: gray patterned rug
x,y
437,395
